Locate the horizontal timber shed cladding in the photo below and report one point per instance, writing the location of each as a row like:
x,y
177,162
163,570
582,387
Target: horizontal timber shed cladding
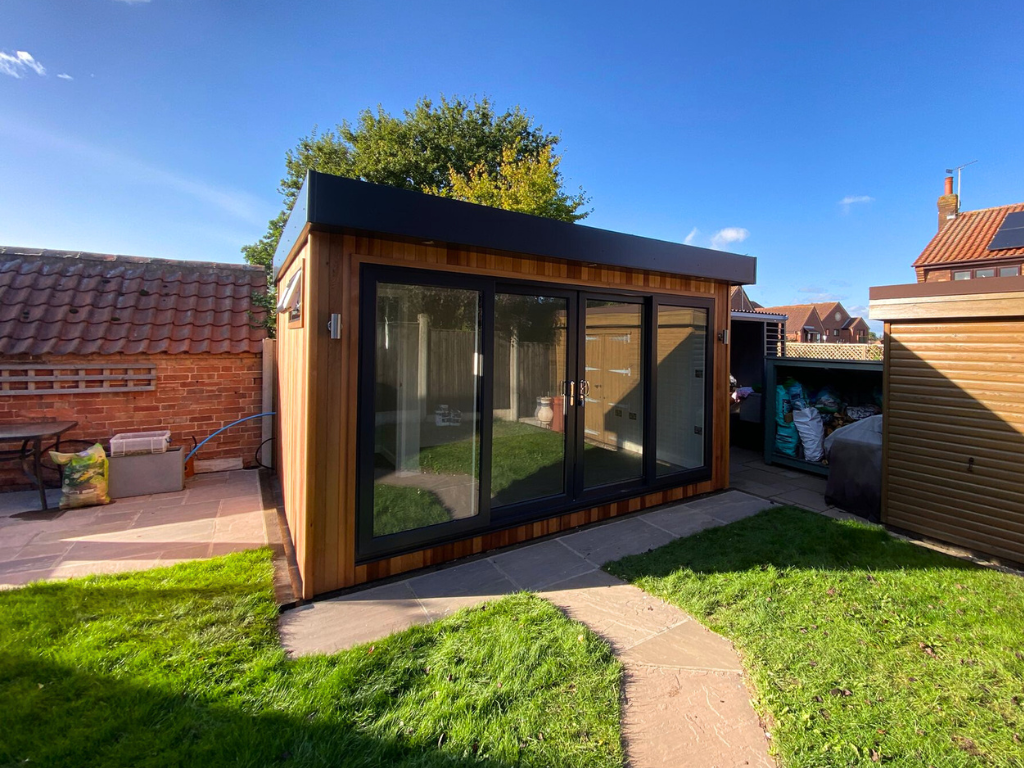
x,y
954,412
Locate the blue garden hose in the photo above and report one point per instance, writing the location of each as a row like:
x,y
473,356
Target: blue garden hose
x,y
228,426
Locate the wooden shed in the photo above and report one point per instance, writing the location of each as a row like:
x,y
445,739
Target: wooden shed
x,y
455,378
954,411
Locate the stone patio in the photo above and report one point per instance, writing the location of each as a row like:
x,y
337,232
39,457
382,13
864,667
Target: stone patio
x,y
216,514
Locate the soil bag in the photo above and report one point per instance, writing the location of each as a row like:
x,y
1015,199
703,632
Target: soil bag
x,y
85,477
812,432
786,438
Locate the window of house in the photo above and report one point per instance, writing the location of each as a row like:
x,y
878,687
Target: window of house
x,y
964,274
985,272
1009,271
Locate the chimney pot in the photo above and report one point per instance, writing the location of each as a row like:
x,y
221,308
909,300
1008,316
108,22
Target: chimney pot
x,y
949,205
949,186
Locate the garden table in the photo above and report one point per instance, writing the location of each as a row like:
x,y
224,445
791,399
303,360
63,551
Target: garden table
x,y
31,436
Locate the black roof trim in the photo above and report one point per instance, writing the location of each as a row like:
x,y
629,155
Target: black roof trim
x,y
335,202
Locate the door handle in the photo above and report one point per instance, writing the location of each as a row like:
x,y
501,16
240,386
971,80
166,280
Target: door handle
x,y
572,390
584,391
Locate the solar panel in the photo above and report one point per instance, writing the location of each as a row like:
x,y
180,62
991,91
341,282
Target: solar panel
x,y
1010,234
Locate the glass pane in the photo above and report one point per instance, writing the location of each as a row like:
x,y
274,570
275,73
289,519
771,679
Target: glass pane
x,y
528,442
426,435
682,360
965,275
1008,271
613,412
985,273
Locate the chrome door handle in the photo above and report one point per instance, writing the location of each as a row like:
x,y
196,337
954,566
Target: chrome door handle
x,y
584,390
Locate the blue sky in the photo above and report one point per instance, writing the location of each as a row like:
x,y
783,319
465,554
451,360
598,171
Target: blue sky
x,y
159,128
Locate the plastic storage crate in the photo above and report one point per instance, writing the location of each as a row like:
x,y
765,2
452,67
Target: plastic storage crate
x,y
131,443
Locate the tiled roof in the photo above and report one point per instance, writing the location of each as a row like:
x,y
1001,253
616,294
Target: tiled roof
x,y
966,238
68,303
800,315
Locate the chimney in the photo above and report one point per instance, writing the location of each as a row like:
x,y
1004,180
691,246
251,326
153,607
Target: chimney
x,y
949,205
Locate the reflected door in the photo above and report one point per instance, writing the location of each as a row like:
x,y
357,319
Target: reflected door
x,y
612,383
532,418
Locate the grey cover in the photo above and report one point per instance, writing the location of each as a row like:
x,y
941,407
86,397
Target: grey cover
x,y
855,468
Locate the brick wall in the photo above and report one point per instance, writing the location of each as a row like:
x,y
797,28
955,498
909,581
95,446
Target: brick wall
x,y
195,395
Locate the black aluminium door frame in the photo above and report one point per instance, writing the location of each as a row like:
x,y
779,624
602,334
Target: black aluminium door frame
x,y
703,472
369,548
598,492
531,508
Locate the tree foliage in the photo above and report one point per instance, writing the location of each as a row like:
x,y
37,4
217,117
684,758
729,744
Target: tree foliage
x,y
457,148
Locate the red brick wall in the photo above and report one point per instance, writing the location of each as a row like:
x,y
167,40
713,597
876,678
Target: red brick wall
x,y
194,395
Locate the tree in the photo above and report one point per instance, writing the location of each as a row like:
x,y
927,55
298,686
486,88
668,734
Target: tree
x,y
455,148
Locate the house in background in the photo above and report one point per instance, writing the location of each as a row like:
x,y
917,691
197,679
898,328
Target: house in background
x,y
973,244
740,302
804,323
826,322
129,344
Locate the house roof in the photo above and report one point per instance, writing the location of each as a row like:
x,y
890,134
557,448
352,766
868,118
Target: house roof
x,y
739,301
333,203
800,315
74,303
966,238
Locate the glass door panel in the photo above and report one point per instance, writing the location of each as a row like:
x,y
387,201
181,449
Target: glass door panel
x,y
426,453
530,427
612,391
681,359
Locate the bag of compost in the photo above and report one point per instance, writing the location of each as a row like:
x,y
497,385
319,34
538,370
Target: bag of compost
x,y
85,477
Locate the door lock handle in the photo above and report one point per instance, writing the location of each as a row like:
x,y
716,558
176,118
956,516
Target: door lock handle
x,y
584,390
572,391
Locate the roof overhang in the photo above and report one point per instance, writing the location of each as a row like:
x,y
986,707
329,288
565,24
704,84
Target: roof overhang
x,y
981,297
333,203
764,317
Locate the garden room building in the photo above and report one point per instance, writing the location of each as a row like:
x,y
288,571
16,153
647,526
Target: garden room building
x,y
454,378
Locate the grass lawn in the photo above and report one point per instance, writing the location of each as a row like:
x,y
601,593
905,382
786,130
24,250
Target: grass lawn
x,y
863,649
182,666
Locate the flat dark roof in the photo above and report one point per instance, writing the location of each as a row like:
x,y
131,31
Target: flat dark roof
x,y
336,203
978,285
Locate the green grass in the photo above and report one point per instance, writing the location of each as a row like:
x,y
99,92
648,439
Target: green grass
x,y
182,666
401,508
860,646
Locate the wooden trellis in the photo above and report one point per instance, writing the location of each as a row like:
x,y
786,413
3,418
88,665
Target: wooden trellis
x,y
28,379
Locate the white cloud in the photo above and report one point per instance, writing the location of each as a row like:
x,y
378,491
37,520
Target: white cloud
x,y
65,76
690,237
728,236
849,200
133,2
19,63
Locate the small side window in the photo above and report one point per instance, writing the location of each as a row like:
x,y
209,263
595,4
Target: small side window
x,y
985,272
962,275
1009,271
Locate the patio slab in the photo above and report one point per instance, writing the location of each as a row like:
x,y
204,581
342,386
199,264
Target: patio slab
x,y
605,543
215,514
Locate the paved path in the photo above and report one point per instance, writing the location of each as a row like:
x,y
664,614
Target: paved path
x,y
216,514
685,699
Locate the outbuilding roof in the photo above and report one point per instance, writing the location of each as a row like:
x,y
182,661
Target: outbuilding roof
x,y
966,238
75,303
333,203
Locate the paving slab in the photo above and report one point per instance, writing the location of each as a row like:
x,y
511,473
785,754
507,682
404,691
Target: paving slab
x,y
329,626
215,514
613,541
450,589
679,520
537,565
803,497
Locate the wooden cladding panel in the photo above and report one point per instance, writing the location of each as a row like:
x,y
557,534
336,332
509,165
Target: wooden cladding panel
x,y
333,422
954,442
292,419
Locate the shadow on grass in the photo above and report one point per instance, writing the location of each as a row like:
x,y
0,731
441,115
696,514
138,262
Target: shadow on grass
x,y
785,537
64,716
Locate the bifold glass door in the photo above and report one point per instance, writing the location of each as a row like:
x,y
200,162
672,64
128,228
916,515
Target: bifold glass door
x,y
484,404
